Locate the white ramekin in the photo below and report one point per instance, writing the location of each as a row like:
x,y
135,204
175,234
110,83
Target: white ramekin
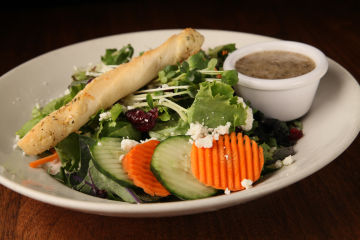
x,y
283,99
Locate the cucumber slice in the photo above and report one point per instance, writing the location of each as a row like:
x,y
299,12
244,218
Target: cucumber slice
x,y
171,166
106,158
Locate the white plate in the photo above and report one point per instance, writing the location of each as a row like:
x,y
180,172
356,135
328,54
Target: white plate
x,y
331,125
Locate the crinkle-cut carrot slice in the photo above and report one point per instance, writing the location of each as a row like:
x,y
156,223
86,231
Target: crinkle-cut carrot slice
x,y
137,165
230,160
215,164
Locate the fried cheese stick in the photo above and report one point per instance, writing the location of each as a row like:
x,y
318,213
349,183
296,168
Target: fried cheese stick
x,y
105,90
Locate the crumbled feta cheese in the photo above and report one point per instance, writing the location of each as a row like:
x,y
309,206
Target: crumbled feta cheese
x,y
105,116
249,115
67,91
278,164
203,136
53,167
288,160
221,130
205,142
128,144
130,108
246,183
227,191
197,131
240,100
121,158
249,120
226,156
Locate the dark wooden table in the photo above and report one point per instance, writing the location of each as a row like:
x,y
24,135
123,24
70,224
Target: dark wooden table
x,y
325,205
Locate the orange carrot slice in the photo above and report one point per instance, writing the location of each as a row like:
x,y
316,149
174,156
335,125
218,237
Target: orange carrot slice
x,y
215,163
230,160
137,165
222,163
44,160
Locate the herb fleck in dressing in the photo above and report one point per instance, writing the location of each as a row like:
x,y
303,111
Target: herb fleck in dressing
x,y
274,65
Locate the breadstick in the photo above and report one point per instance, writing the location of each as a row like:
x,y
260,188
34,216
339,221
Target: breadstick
x,y
108,88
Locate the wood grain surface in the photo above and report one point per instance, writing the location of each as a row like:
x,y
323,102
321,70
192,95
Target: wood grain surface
x,y
325,205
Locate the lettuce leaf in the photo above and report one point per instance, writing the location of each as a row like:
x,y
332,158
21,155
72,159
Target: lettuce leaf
x,y
215,104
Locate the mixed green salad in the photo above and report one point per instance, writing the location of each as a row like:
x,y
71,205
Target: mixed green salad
x,y
195,91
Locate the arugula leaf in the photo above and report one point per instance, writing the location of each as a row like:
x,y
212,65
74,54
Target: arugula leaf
x,y
214,105
115,57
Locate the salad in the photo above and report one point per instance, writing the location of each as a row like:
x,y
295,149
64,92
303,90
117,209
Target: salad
x,y
185,135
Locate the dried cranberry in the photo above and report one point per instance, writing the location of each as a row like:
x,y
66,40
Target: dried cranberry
x,y
90,80
295,134
141,120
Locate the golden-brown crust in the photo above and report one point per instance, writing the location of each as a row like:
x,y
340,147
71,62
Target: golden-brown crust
x,y
108,88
